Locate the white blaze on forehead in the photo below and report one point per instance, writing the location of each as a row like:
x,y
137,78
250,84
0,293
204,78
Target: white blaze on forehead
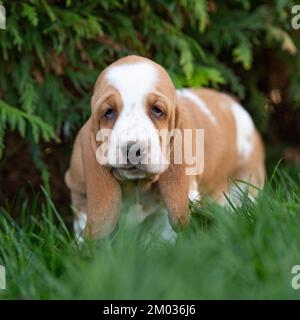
x,y
133,81
189,94
244,130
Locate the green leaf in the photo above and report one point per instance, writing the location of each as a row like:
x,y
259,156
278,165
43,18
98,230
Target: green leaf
x,y
243,54
279,35
30,12
17,119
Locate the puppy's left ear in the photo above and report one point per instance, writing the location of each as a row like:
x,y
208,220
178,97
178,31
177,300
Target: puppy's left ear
x,y
174,185
103,190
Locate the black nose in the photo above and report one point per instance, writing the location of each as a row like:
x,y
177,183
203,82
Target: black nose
x,y
132,151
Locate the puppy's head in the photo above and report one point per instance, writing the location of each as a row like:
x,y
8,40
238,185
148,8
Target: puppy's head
x,y
134,101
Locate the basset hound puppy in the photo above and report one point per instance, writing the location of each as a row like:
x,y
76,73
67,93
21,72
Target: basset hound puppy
x,y
127,169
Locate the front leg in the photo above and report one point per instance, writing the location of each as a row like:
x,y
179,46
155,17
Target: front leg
x,y
79,204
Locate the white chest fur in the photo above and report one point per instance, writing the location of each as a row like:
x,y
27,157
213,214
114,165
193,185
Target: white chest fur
x,y
139,206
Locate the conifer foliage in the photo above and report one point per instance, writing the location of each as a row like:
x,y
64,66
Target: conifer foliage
x,y
52,51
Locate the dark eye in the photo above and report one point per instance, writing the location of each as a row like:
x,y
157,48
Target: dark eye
x,y
157,111
109,113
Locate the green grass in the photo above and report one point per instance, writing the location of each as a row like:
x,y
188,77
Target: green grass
x,y
238,253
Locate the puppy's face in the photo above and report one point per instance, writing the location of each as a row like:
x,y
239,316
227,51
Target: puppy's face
x,y
134,99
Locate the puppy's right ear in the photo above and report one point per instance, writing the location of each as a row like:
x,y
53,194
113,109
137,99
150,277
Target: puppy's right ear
x,y
103,190
174,184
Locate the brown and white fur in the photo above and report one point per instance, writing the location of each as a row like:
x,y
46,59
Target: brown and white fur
x,y
134,87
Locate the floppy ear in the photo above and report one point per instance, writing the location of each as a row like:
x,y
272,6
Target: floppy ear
x,y
103,190
174,186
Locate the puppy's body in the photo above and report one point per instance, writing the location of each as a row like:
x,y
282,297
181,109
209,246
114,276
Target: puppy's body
x,y
232,149
232,145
